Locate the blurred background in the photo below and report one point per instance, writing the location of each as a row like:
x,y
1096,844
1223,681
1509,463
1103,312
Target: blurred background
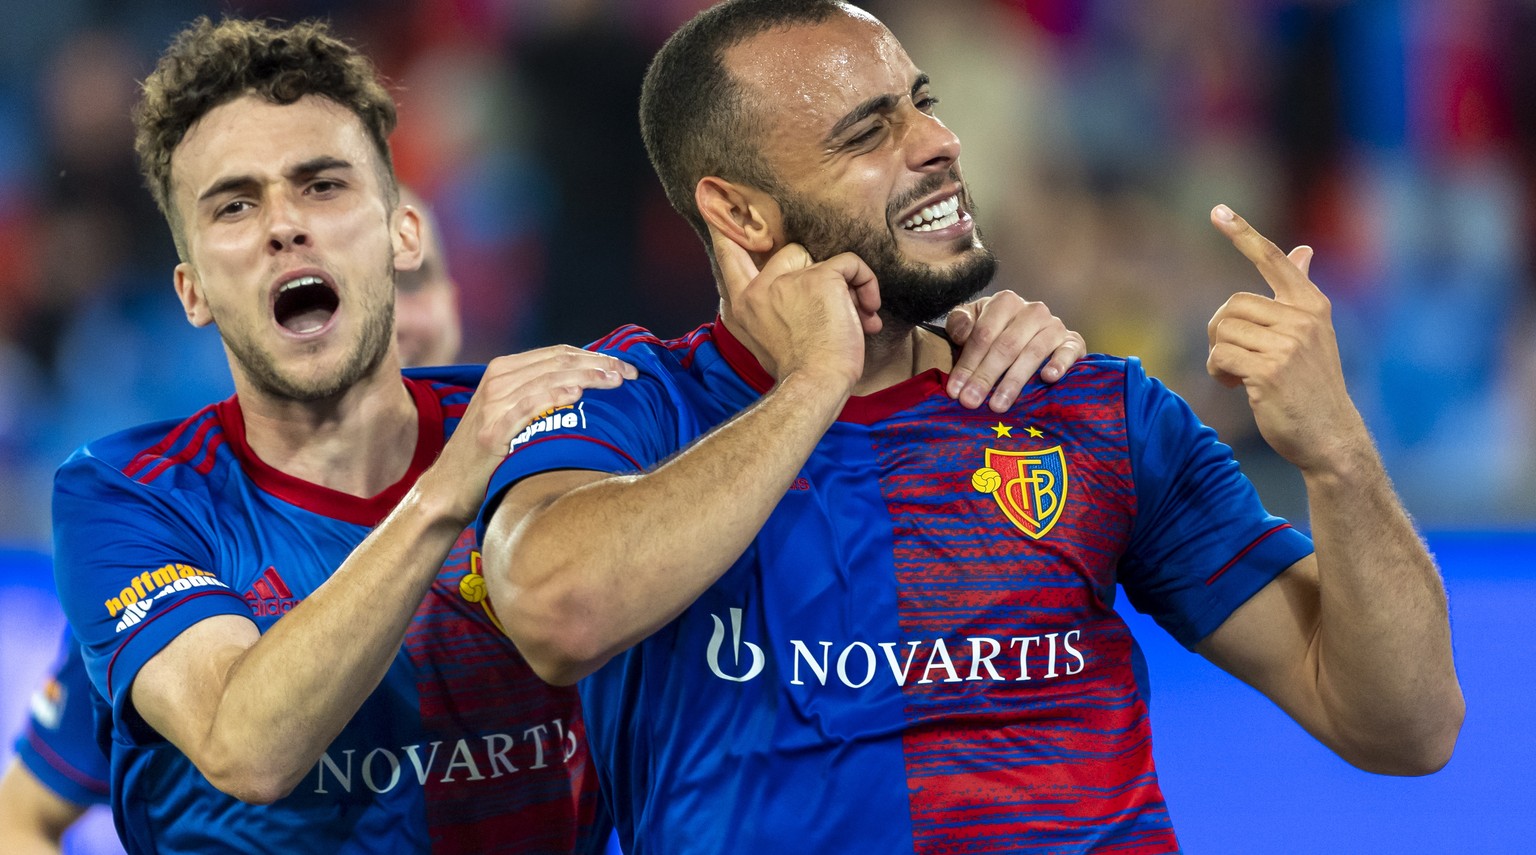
x,y
1396,137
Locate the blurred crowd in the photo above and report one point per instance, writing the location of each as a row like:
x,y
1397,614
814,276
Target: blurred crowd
x,y
1396,137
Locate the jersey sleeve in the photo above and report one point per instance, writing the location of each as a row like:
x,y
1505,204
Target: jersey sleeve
x,y
58,745
1202,542
630,428
135,568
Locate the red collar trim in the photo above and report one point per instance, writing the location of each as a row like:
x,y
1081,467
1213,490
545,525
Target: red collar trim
x,y
860,409
334,503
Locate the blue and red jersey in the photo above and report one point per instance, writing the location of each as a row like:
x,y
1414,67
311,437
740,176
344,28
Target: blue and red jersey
x,y
59,744
919,651
460,749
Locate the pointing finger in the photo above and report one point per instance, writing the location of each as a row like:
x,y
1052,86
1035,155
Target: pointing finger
x,y
1285,277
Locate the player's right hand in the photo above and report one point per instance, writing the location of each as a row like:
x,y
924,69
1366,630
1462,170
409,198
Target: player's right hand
x,y
514,391
798,314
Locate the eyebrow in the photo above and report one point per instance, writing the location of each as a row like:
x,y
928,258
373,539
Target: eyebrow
x,y
307,169
878,104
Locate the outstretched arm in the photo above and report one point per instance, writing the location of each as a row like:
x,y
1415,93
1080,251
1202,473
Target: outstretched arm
x,y
1354,641
255,711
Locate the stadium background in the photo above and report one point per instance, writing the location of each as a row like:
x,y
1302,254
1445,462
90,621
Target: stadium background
x,y
1397,137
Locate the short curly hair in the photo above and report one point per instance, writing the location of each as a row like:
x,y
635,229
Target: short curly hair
x,y
208,65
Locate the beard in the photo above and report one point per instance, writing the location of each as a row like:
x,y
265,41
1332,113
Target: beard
x,y
910,293
264,373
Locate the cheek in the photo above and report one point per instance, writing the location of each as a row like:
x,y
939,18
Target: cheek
x,y
231,251
868,188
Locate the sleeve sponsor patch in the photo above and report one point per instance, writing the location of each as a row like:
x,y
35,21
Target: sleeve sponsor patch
x,y
549,421
134,602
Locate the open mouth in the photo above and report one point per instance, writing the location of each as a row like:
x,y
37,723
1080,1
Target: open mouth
x,y
939,215
305,305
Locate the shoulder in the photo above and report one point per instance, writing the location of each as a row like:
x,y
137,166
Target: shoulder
x,y
1097,379
158,454
1119,376
646,349
446,379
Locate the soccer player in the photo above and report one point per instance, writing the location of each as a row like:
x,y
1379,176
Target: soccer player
x,y
278,595
815,606
60,769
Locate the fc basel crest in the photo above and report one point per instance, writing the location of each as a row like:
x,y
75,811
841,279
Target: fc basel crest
x,y
1030,486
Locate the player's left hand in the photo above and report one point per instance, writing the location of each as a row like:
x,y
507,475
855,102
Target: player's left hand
x,y
1004,339
1284,352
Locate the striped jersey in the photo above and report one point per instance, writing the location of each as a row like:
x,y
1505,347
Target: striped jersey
x,y
59,742
461,749
919,651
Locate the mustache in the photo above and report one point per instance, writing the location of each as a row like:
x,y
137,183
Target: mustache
x,y
924,188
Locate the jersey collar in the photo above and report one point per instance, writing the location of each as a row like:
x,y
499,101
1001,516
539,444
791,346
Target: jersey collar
x,y
860,409
321,500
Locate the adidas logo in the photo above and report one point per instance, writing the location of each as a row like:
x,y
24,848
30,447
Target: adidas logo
x,y
269,595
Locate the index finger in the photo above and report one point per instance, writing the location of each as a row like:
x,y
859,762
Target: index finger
x,y
737,269
1286,279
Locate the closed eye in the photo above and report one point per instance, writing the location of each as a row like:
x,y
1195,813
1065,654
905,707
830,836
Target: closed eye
x,y
865,136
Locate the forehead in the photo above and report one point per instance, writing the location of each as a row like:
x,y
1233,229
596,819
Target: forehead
x,y
251,136
810,76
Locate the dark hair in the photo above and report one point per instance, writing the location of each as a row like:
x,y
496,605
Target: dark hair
x,y
208,65
692,114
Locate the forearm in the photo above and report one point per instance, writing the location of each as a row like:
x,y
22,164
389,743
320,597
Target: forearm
x,y
598,569
1385,673
33,818
288,695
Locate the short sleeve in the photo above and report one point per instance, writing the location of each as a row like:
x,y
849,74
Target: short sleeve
x,y
59,744
1202,542
630,428
134,569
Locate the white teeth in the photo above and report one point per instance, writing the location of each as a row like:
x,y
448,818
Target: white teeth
x,y
302,280
940,215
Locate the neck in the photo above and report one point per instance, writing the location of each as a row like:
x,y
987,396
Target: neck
x,y
359,442
900,352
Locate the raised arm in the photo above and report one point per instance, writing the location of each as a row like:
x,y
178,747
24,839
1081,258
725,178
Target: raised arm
x,y
1354,641
640,561
255,711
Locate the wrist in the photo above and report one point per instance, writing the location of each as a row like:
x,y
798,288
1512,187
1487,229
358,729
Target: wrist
x,y
1342,462
814,384
435,508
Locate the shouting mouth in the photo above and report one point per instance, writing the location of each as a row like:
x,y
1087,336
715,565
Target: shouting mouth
x,y
305,305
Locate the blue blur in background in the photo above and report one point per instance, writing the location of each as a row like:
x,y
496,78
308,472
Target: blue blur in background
x,y
1242,777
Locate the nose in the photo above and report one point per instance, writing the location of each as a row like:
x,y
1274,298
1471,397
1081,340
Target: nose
x,y
285,229
932,147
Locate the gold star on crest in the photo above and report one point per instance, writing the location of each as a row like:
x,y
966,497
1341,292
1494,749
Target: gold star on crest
x,y
1002,430
1035,433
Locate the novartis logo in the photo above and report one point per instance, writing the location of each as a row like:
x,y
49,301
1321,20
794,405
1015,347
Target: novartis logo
x,y
856,664
712,655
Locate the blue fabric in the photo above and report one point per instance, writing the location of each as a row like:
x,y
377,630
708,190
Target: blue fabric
x,y
900,658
